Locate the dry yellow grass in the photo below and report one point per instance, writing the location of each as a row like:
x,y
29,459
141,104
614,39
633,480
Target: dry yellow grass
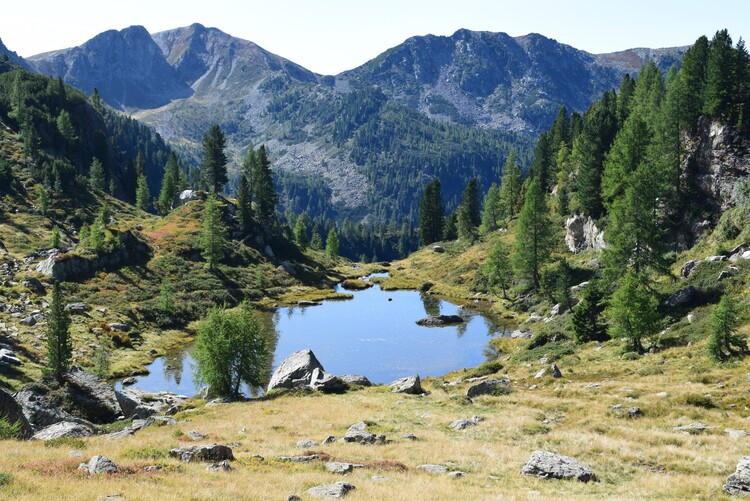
x,y
644,458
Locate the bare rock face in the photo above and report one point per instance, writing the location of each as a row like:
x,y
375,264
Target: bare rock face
x,y
738,483
296,371
11,411
581,234
550,465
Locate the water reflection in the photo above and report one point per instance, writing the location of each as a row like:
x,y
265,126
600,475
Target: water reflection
x,y
374,335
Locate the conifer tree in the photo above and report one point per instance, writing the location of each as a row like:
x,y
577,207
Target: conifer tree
x,y
431,213
96,100
471,201
624,98
498,269
65,127
263,187
142,195
588,324
633,311
169,185
332,244
213,235
717,94
55,239
97,178
534,234
214,166
542,166
725,342
244,204
59,343
693,73
300,233
464,225
510,187
490,212
316,241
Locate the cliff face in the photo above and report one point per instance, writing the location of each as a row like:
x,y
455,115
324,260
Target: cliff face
x,y
717,158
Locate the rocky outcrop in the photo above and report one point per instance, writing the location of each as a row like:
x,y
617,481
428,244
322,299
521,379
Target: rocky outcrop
x,y
12,412
95,398
440,320
550,465
41,411
207,453
64,429
327,383
581,234
682,297
66,267
296,371
138,403
738,483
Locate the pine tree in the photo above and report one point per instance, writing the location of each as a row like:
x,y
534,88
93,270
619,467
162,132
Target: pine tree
x,y
244,204
693,73
633,311
214,166
169,188
717,93
498,268
59,343
464,225
431,213
96,100
625,98
316,241
97,178
510,187
263,187
55,239
450,227
42,199
65,127
213,235
332,244
563,283
542,167
533,242
725,342
300,233
140,164
471,201
628,152
587,322
490,212
142,195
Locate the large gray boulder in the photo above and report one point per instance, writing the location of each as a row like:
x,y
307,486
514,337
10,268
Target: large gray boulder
x,y
64,429
208,453
12,412
337,490
141,403
99,464
295,372
327,383
41,411
410,385
489,387
738,483
95,398
354,380
682,297
550,465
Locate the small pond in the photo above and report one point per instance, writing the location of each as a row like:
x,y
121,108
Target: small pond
x,y
373,335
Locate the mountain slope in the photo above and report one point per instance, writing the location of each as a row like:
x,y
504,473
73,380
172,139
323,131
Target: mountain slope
x,y
510,87
13,59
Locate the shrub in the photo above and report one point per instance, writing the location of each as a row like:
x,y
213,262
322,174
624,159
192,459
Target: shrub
x,y
9,430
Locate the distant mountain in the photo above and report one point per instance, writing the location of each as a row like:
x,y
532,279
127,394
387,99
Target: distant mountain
x,y
13,59
367,140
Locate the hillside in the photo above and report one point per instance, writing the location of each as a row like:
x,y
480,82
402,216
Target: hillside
x,y
509,88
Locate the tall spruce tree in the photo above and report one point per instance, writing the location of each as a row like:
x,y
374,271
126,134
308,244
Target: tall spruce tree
x,y
263,187
490,212
244,204
213,238
142,195
332,244
633,311
588,324
97,178
534,234
717,94
169,185
214,166
431,213
471,201
59,343
542,167
510,187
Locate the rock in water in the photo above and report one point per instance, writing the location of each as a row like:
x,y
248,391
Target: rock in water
x,y
440,320
410,385
738,483
550,465
295,372
337,490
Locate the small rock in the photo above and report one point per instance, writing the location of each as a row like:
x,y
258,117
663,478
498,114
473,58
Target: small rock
x,y
75,453
208,453
196,435
738,483
489,387
409,385
300,459
440,320
99,464
217,467
435,469
520,334
129,381
336,490
341,468
307,444
550,465
438,249
353,380
410,436
76,308
723,275
735,433
293,497
329,440
120,327
692,428
457,474
462,424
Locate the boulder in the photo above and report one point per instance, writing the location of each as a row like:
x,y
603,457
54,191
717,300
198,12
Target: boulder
x,y
76,308
207,453
489,387
435,469
581,233
41,412
217,467
410,385
99,464
34,285
353,380
359,437
28,321
553,370
118,326
682,297
462,424
8,357
440,320
341,468
438,249
689,267
692,428
550,465
295,372
336,490
12,412
140,403
521,334
64,429
306,444
95,398
738,483
326,383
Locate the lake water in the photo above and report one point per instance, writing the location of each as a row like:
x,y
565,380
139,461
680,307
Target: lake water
x,y
373,335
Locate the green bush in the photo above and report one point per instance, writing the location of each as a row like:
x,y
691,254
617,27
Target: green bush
x,y
8,430
485,369
702,401
5,478
72,442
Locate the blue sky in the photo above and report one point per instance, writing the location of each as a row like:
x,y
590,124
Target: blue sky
x,y
329,36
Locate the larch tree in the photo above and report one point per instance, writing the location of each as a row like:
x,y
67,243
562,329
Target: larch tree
x,y
332,244
213,238
169,185
142,195
214,166
534,234
510,187
97,178
59,343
